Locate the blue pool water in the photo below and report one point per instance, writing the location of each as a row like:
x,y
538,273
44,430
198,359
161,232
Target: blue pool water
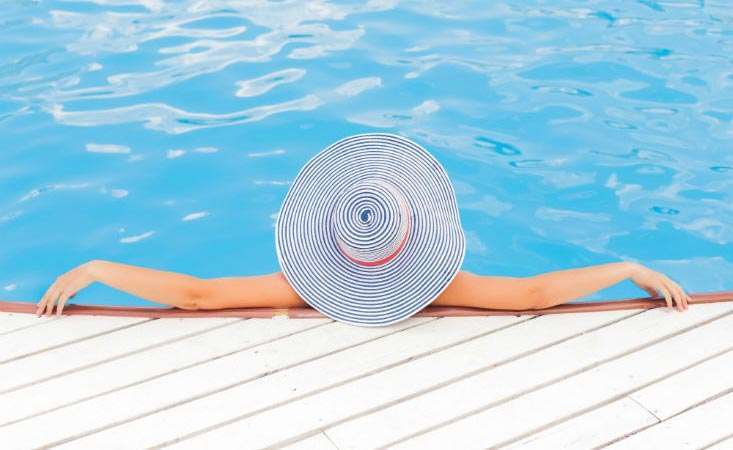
x,y
166,134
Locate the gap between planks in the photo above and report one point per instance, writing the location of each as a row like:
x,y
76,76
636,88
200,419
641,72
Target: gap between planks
x,y
572,426
159,375
320,323
114,324
602,322
29,366
446,426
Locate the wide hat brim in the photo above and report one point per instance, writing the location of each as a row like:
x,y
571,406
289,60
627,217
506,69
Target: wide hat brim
x,y
308,247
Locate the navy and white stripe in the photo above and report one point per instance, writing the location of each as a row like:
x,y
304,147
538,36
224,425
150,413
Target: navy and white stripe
x,y
369,231
371,221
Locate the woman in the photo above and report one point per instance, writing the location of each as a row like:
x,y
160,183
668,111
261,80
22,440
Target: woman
x,y
368,234
272,290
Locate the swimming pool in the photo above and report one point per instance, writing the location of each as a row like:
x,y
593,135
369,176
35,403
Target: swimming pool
x,y
166,135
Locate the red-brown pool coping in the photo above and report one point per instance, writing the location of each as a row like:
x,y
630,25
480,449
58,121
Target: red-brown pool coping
x,y
429,311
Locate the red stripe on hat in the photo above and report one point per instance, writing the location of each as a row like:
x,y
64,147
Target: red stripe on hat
x,y
387,258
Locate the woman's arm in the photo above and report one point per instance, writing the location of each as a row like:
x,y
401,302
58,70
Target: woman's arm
x,y
553,288
273,290
171,288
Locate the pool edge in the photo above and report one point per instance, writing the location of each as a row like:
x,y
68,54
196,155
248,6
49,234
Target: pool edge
x,y
429,311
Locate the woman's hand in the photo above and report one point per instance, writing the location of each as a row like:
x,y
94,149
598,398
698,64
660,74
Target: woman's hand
x,y
65,287
655,282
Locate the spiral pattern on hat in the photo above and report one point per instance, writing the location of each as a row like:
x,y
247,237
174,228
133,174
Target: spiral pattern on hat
x,y
363,197
371,222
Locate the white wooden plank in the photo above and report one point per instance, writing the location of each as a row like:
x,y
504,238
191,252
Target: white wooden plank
x,y
316,442
10,322
693,429
665,398
439,406
136,368
219,372
59,331
384,388
591,430
296,382
92,351
515,419
690,387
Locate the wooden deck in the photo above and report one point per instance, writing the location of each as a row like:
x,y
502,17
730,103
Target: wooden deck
x,y
633,379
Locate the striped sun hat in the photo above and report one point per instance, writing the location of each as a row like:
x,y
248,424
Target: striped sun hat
x,y
369,231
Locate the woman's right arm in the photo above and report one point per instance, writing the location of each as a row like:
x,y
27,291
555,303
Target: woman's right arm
x,y
565,285
553,288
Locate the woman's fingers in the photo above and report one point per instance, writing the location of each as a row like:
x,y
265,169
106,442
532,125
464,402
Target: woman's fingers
x,y
653,282
52,301
667,295
51,293
49,303
676,292
685,297
40,307
675,295
681,295
69,292
62,301
41,304
62,289
46,296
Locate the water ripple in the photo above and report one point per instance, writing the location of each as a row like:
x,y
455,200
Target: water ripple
x,y
263,84
213,56
159,116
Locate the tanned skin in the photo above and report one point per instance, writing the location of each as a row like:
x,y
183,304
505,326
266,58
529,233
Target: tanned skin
x,y
273,290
